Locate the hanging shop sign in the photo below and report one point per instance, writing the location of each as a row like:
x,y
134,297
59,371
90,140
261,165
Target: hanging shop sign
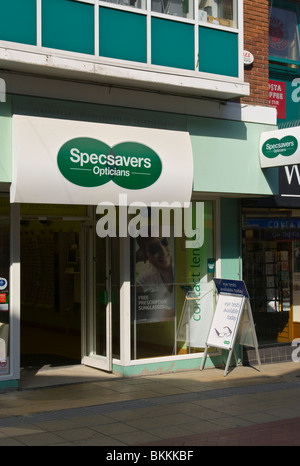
x,y
280,147
73,162
289,181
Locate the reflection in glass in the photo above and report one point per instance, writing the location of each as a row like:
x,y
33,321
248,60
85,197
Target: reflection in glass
x,y
284,40
4,285
140,4
219,12
181,8
164,273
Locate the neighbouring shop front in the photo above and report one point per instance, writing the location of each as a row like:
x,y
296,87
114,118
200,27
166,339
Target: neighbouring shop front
x,y
271,271
271,247
270,227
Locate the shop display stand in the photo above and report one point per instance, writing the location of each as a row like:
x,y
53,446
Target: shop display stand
x,y
183,331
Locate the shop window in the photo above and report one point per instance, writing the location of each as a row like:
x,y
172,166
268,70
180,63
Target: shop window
x,y
4,286
270,271
284,40
171,291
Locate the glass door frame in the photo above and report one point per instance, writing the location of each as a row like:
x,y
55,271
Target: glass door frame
x,y
89,300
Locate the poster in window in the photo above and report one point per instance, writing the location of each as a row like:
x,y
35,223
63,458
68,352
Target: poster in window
x,y
284,34
154,279
277,98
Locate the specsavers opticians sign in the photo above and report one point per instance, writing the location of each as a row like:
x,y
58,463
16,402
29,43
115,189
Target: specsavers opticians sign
x,y
72,162
280,147
89,162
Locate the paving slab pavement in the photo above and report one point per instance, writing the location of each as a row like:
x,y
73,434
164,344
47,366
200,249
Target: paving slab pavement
x,y
181,409
285,432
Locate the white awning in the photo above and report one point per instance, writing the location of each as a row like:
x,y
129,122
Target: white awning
x,y
73,162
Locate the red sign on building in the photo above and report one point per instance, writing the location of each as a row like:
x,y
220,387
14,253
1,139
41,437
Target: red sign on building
x,y
277,97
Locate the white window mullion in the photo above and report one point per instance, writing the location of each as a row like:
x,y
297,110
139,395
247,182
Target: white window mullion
x,y
196,32
240,27
148,25
39,23
96,27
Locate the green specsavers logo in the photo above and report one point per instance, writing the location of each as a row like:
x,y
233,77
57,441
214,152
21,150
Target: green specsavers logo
x,y
286,146
88,162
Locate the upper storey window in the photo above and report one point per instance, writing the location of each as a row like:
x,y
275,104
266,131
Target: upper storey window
x,y
141,4
181,8
217,12
284,41
184,38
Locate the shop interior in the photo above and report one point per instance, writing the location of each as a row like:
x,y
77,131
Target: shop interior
x,y
271,267
50,292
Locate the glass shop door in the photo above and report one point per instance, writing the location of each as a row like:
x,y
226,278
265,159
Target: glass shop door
x,y
97,305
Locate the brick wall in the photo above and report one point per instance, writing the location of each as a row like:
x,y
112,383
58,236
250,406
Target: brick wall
x,y
256,41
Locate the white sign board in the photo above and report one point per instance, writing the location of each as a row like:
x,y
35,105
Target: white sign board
x,y
280,147
225,321
232,321
59,161
248,58
193,328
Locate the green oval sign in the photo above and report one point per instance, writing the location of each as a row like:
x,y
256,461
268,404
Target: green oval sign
x,y
286,146
88,162
141,164
78,158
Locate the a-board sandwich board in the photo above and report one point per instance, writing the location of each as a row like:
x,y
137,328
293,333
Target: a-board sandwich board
x,y
183,332
232,321
196,315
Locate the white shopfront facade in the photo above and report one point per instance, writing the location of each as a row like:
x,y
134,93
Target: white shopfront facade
x,y
73,295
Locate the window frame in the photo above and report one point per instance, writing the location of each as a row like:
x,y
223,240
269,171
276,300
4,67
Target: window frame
x,y
238,30
144,74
